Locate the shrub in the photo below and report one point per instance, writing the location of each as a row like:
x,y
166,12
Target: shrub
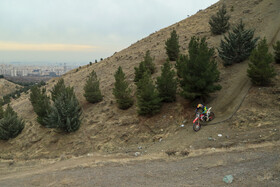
x,y
180,65
9,111
1,102
260,69
121,90
219,23
1,112
146,65
6,99
148,62
148,100
57,89
276,48
91,89
40,102
238,46
139,71
10,124
172,46
167,84
199,71
65,113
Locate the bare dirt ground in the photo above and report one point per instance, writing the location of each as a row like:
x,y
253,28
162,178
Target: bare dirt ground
x,y
107,129
7,87
102,152
250,166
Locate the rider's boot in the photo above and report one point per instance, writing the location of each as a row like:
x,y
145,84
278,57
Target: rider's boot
x,y
205,118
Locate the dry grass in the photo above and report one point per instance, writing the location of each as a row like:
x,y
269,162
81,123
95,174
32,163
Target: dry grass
x,y
106,128
7,87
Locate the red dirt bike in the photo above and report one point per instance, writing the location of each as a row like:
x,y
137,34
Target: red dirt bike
x,y
209,116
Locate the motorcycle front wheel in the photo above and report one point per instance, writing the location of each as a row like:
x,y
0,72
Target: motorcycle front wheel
x,y
196,126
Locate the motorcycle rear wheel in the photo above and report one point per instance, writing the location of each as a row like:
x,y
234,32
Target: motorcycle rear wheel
x,y
211,116
196,126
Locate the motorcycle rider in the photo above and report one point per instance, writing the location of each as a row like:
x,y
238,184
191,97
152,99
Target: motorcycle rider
x,y
203,110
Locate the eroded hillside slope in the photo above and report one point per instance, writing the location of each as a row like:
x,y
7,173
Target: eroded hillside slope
x,y
104,126
7,87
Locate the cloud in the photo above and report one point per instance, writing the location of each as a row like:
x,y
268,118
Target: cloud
x,y
15,46
96,27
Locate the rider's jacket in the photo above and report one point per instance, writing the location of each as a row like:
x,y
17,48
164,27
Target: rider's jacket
x,y
203,109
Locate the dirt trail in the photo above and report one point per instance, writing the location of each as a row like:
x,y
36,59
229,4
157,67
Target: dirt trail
x,y
105,127
230,99
152,168
255,166
227,102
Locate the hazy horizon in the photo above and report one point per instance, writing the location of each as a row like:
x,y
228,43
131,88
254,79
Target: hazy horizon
x,y
79,31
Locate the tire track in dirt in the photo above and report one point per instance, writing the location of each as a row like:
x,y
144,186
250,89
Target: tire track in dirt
x,y
247,164
227,104
229,99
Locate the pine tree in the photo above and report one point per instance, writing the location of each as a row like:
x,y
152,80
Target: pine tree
x,y
1,112
148,62
6,99
1,102
276,48
57,89
219,23
148,100
146,65
92,90
260,69
10,111
238,46
40,102
65,113
180,65
172,46
10,124
139,71
121,90
200,71
166,83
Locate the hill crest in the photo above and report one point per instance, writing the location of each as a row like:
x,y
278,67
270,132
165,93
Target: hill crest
x,y
7,87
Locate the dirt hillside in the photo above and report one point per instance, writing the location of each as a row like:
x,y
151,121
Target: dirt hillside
x,y
7,87
107,129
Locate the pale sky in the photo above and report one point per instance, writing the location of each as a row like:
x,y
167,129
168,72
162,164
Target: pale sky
x,y
80,31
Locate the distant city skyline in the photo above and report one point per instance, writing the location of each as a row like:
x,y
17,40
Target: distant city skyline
x,y
34,70
79,31
41,63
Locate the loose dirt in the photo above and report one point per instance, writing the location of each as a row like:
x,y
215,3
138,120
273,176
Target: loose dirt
x,y
245,116
250,166
7,87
